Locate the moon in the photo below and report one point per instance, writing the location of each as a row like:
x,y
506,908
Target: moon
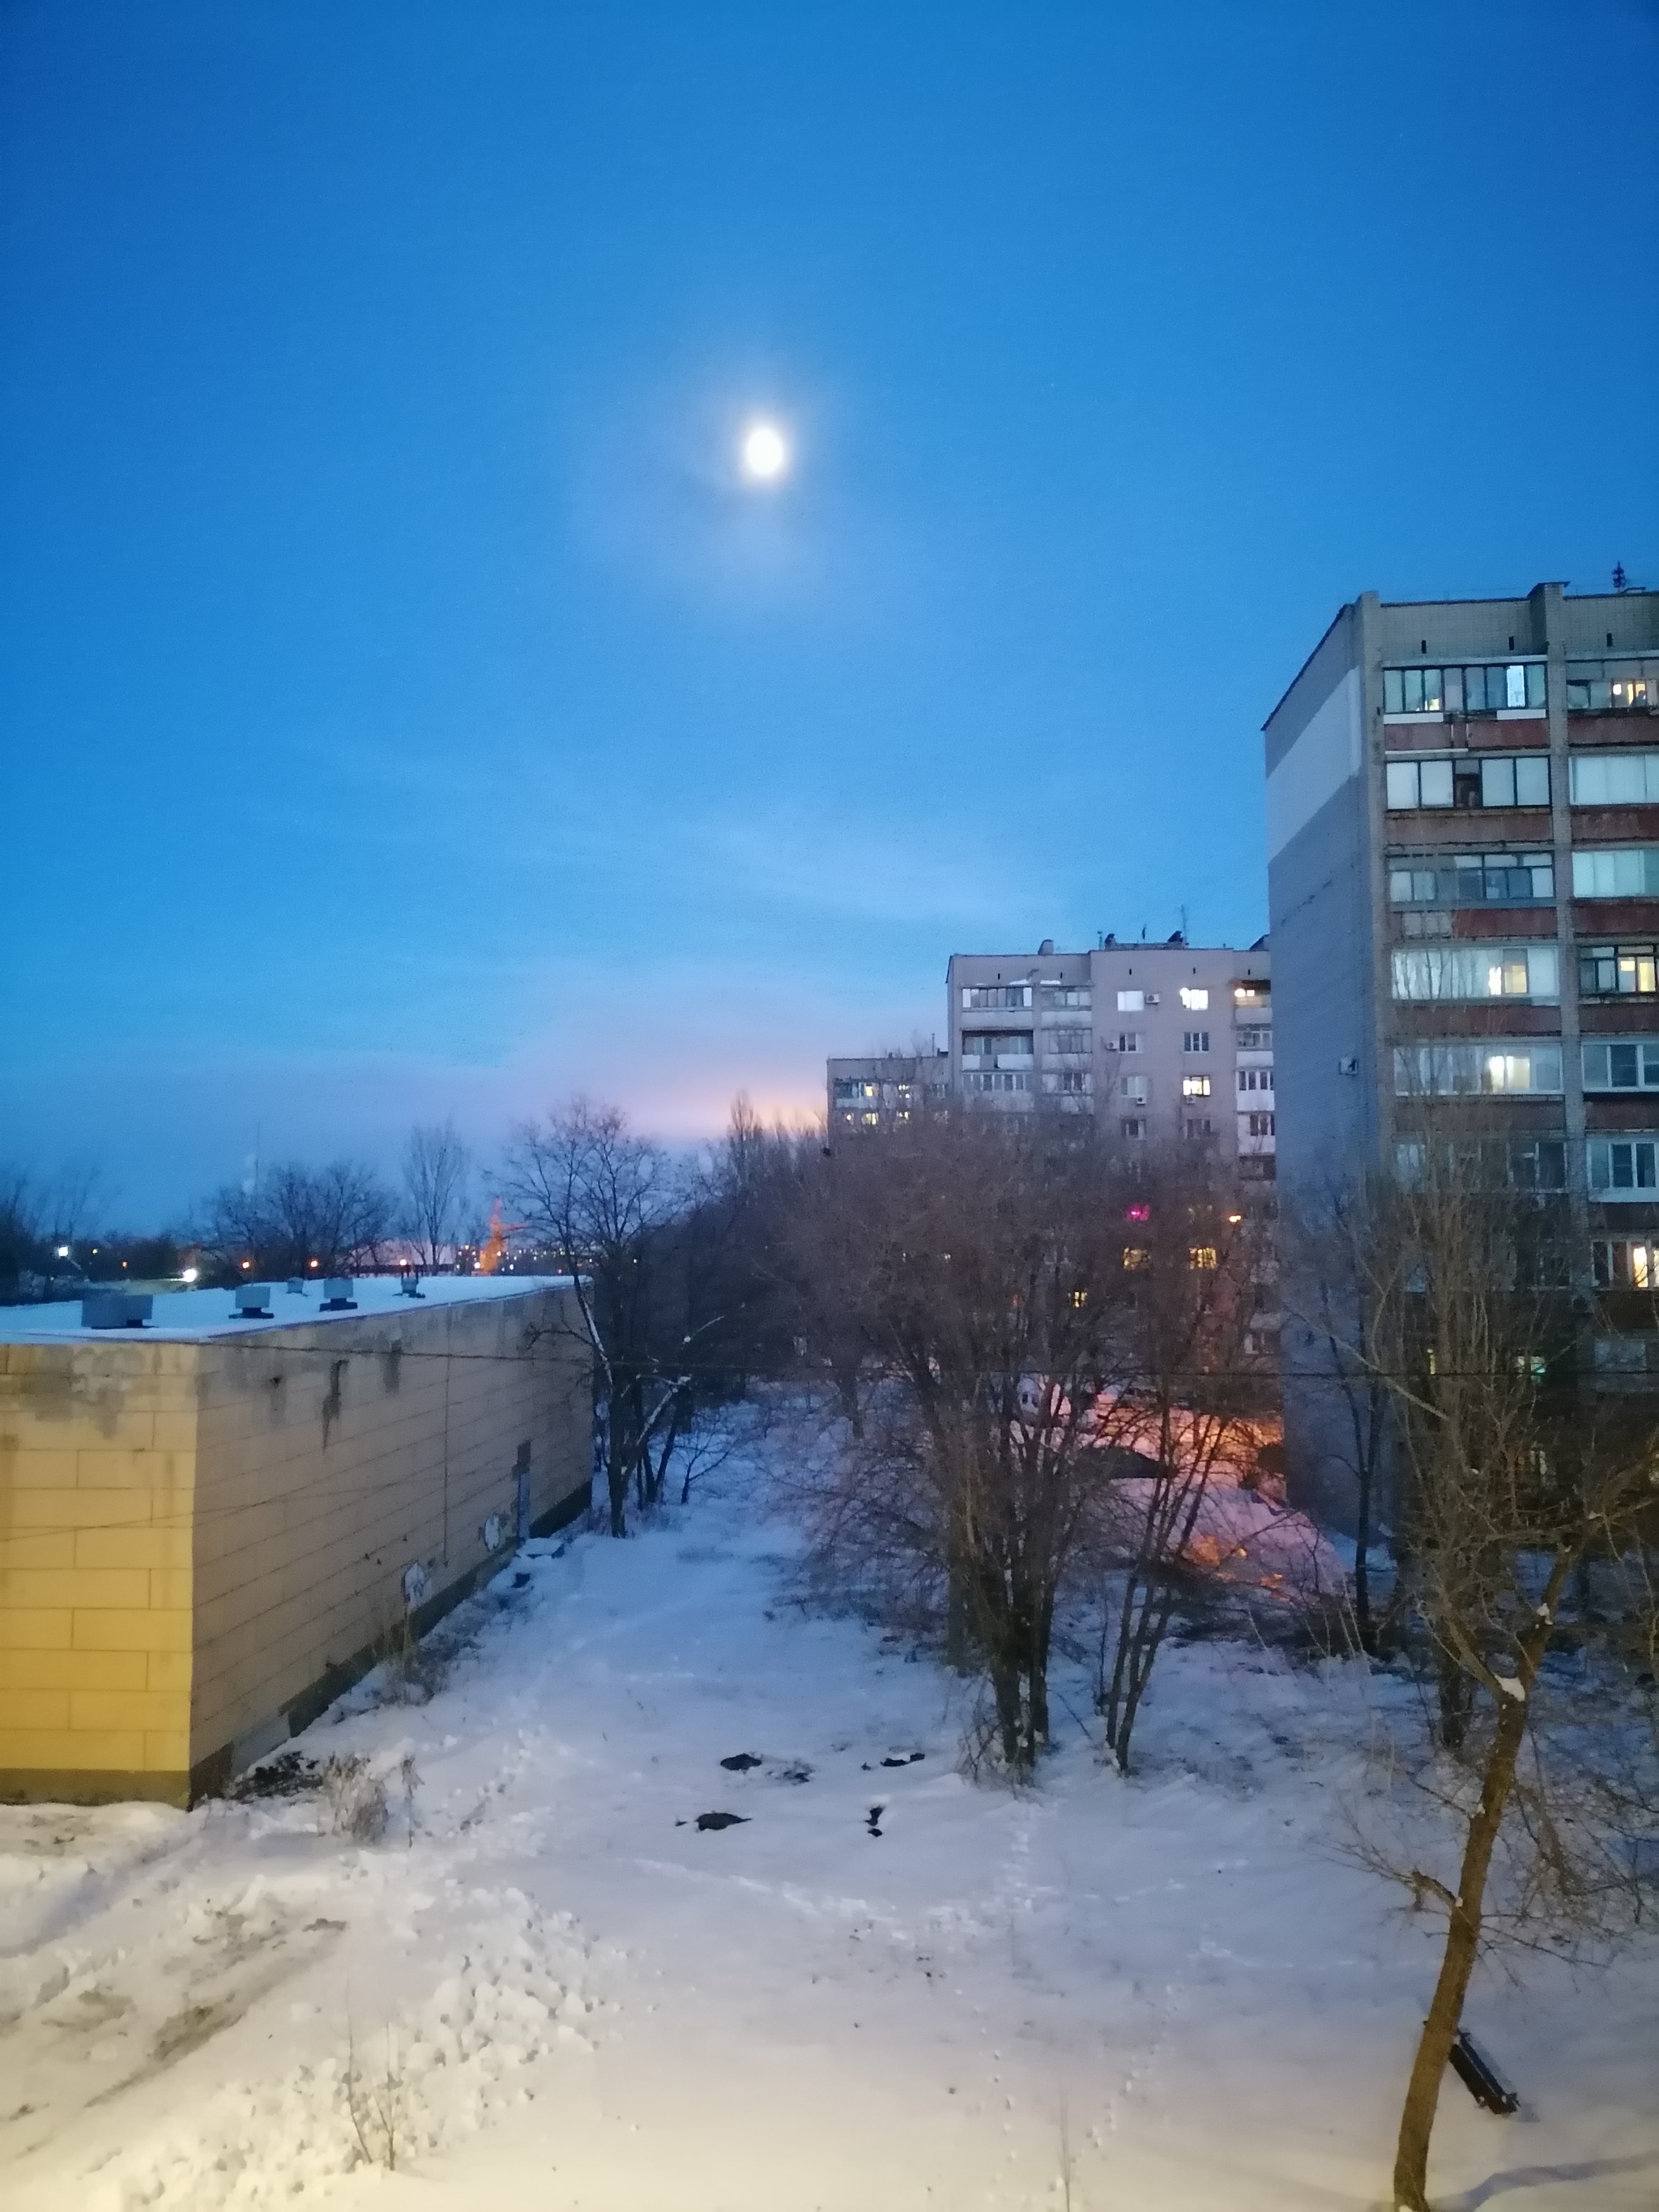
x,y
765,453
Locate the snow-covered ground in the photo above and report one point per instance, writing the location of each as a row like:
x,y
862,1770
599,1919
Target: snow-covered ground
x,y
1171,1994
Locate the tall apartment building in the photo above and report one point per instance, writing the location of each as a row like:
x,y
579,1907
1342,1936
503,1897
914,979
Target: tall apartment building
x,y
1463,887
884,1090
1156,1042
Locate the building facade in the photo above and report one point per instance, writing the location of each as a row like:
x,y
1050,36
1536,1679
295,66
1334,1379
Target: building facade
x,y
1156,1042
883,1090
209,1528
1463,887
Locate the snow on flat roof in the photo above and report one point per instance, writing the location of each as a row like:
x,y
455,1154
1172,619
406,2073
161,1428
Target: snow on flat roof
x,y
189,1316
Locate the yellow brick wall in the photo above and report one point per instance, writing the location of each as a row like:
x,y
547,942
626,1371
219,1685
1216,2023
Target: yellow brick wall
x,y
332,1456
97,1474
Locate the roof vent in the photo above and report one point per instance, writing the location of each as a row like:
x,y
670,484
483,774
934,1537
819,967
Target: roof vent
x,y
116,1309
251,1302
1045,948
338,1297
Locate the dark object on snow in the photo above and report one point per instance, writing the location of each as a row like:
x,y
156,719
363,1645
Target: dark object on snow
x,y
290,1774
904,1758
520,1582
1480,2076
872,1819
797,1770
741,1761
721,1819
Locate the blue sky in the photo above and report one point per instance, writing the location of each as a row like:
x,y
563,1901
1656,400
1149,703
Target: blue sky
x,y
406,706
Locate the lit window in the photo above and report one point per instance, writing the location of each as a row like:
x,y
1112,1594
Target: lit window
x,y
1136,1255
1462,1071
1131,1002
1195,999
1624,1264
1607,971
1613,687
1476,972
1194,1086
1202,1255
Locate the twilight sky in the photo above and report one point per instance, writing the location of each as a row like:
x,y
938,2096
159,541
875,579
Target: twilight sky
x,y
405,705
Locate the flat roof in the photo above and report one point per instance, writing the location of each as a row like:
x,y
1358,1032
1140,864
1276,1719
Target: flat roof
x,y
194,1317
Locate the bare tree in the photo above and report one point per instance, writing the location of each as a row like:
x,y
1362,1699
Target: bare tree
x,y
302,1221
603,1198
976,1262
436,1167
1525,1497
1184,1390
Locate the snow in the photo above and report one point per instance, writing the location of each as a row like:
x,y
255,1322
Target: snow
x,y
1178,1985
187,1317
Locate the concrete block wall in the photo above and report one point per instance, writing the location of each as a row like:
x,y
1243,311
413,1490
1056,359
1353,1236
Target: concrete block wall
x,y
201,1542
336,1457
97,1478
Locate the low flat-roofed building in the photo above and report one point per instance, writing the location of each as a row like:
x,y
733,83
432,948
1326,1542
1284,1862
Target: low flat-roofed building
x,y
211,1527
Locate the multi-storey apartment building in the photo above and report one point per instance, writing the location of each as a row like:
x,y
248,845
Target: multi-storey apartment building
x,y
1156,1042
1463,887
884,1090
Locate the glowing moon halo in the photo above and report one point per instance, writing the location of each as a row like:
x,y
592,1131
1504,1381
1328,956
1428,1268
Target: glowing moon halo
x,y
765,454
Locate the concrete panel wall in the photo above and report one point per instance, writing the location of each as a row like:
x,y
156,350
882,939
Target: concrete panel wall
x,y
97,1475
334,1459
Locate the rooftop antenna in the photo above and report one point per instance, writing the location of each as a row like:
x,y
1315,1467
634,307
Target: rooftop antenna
x,y
1619,577
1183,924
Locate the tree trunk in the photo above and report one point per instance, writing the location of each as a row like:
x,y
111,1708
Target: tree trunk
x,y
1411,2161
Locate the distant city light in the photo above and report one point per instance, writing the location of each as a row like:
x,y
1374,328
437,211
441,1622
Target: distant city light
x,y
63,1251
189,1274
247,1263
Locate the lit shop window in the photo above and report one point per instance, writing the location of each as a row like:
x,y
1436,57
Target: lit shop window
x,y
1195,999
